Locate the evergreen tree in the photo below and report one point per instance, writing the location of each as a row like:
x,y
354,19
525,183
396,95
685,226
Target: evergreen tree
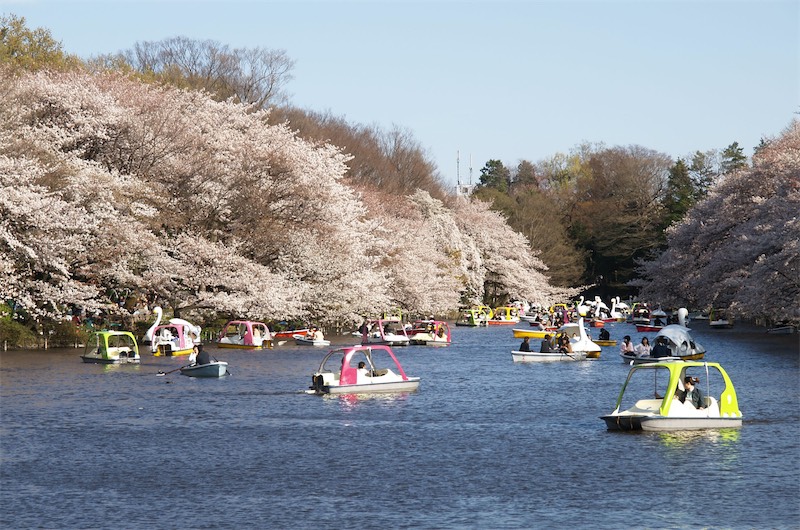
x,y
680,195
733,158
495,175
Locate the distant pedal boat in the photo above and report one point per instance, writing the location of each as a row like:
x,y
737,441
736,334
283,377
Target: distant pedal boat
x,y
111,347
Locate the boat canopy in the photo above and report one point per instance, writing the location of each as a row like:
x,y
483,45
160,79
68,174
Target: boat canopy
x,y
375,357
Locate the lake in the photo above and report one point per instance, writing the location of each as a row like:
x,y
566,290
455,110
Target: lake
x,y
484,443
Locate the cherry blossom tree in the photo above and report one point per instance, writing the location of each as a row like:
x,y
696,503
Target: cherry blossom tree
x,y
739,248
114,188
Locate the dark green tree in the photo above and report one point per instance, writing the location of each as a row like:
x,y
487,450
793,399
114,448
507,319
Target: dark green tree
x,y
525,174
680,195
703,171
495,175
733,158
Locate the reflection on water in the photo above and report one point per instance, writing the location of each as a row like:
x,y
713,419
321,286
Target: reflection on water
x,y
349,401
687,439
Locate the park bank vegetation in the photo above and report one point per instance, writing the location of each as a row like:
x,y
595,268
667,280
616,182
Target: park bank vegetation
x,y
177,173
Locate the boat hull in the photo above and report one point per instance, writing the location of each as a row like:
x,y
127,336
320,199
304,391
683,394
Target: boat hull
x,y
99,360
648,329
529,357
213,369
302,341
530,333
605,342
228,345
657,423
163,351
409,385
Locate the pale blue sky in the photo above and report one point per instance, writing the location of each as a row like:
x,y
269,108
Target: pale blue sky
x,y
505,80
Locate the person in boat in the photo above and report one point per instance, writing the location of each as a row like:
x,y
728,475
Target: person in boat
x,y
199,355
692,394
564,345
362,369
546,346
658,322
643,349
660,349
626,347
525,346
318,335
604,334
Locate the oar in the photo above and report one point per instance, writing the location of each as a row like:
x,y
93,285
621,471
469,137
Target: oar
x,y
160,373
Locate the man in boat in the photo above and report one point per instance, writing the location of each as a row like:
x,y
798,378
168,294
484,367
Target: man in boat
x,y
525,346
202,356
604,334
660,349
546,346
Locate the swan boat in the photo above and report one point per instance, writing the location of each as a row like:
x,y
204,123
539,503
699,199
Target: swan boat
x,y
244,334
339,373
579,340
388,332
679,342
211,369
177,337
430,333
651,394
111,347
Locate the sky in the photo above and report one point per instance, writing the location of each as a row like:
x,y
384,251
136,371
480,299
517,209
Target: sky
x,y
474,81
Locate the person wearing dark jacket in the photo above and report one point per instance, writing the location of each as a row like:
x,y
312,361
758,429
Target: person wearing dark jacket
x,y
660,349
525,346
202,356
692,394
546,347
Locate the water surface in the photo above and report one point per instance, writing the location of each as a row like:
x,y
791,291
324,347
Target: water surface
x,y
484,443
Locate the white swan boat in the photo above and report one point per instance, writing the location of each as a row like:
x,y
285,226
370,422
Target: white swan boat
x,y
650,399
177,337
361,369
579,340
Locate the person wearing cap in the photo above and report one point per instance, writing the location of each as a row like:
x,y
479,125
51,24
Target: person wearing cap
x,y
692,394
626,347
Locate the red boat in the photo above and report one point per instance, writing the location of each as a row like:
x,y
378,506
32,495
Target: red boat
x,y
289,333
